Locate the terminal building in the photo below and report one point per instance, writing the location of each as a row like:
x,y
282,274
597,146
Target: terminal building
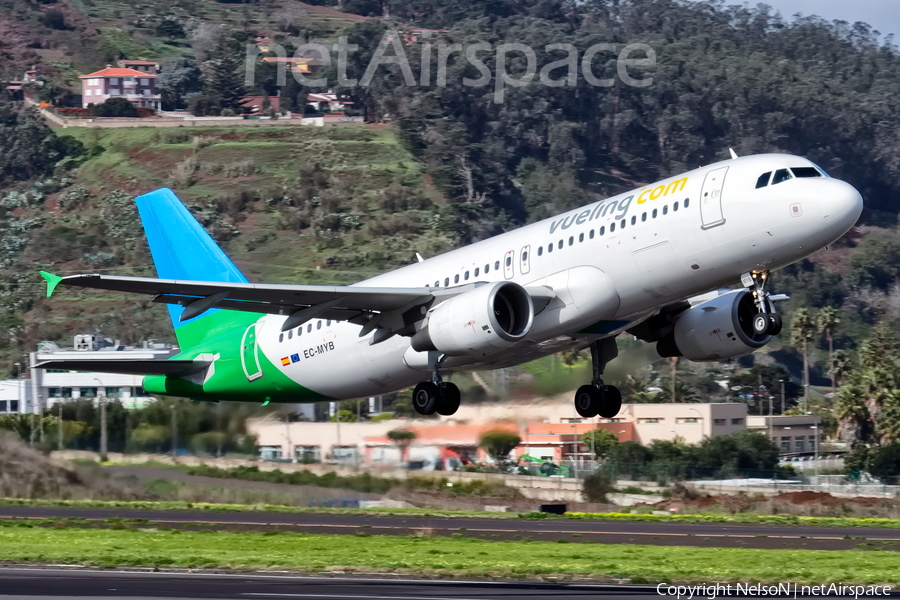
x,y
45,387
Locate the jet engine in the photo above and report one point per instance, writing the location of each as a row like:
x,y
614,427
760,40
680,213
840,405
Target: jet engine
x,y
717,329
488,318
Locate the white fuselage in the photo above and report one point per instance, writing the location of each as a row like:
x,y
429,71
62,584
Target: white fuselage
x,y
613,263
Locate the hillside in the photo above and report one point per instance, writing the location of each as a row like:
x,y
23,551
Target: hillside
x,y
289,204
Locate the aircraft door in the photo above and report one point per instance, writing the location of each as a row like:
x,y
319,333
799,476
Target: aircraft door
x,y
250,354
711,198
525,260
508,267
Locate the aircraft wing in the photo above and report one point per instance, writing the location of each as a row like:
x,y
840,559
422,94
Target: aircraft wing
x,y
334,302
127,366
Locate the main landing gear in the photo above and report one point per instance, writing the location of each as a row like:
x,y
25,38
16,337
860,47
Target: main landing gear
x,y
436,396
599,399
766,321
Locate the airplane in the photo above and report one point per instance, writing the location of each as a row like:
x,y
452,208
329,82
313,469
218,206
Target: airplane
x,y
655,263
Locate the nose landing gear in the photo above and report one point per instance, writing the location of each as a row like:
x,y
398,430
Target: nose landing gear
x,y
767,321
599,399
436,395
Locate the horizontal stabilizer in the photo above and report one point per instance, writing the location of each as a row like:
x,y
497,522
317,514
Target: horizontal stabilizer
x,y
126,366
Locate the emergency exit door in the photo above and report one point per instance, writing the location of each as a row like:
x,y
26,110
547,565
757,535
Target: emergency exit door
x,y
711,198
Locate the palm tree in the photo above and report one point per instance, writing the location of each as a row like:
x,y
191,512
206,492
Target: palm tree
x,y
802,327
841,366
828,318
852,413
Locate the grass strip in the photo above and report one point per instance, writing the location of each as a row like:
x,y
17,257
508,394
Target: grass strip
x,y
735,519
457,556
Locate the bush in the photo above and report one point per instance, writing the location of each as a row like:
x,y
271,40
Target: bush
x,y
597,486
114,107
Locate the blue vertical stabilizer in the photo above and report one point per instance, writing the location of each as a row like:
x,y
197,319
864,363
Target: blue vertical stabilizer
x,y
180,246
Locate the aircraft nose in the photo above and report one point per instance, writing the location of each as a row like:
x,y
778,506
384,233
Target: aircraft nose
x,y
840,202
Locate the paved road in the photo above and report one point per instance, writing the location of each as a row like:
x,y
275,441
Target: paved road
x,y
35,584
636,532
50,584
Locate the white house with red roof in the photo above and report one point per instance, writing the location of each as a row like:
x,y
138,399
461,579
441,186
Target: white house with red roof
x,y
137,87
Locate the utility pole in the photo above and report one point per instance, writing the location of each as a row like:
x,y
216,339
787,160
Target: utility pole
x,y
782,395
59,443
103,433
174,431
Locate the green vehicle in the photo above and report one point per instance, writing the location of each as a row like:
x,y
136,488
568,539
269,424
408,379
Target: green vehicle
x,y
546,468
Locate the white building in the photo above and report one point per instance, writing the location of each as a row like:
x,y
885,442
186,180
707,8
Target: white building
x,y
48,386
15,396
793,434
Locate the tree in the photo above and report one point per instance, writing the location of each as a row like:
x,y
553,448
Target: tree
x,y
224,79
828,319
28,148
498,443
402,438
179,77
169,27
600,441
884,462
802,327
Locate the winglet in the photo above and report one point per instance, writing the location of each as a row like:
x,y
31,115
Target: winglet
x,y
733,153
52,281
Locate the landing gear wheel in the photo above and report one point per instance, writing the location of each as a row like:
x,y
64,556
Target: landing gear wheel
x,y
425,398
449,401
775,324
760,323
587,400
612,402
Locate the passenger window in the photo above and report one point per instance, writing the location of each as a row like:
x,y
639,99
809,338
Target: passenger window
x,y
466,276
280,337
456,278
591,234
328,323
559,245
318,324
654,213
300,331
634,219
602,230
666,209
476,271
540,250
643,217
580,237
612,227
524,256
675,206
622,224
781,175
437,283
446,281
686,202
763,180
487,268
508,261
571,240
309,328
549,247
290,334
805,172
496,265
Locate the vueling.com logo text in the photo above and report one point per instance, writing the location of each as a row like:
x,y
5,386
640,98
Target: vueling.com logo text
x,y
661,190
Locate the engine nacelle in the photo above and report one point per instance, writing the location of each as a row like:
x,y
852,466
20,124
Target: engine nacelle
x,y
488,318
717,329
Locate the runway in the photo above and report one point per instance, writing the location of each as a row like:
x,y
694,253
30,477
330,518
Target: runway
x,y
39,584
634,532
63,584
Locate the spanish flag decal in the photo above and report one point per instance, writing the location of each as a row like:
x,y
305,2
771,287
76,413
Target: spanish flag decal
x,y
285,361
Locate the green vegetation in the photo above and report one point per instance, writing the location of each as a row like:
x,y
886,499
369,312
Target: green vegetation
x,y
746,453
498,443
364,482
142,545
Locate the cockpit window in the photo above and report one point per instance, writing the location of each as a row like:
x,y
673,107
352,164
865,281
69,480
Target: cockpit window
x,y
781,175
763,180
805,172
